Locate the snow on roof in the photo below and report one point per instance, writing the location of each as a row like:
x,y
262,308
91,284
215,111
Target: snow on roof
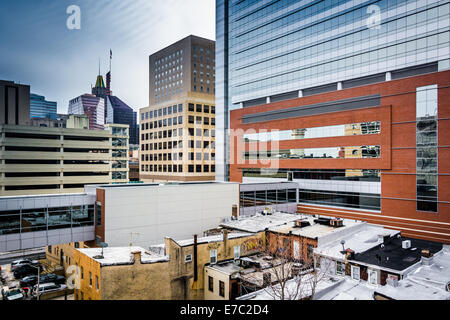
x,y
292,287
346,289
259,222
316,230
214,238
360,240
122,255
409,289
436,273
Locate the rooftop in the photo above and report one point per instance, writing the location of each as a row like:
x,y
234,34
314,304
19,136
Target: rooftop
x,y
122,255
259,222
214,238
359,240
316,230
391,255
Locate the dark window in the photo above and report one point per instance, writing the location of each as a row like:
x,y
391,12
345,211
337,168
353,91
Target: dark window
x,y
221,288
210,284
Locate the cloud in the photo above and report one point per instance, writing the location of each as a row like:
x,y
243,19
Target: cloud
x,y
62,64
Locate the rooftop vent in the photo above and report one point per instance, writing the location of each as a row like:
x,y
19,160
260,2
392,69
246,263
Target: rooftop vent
x,y
301,223
337,223
406,244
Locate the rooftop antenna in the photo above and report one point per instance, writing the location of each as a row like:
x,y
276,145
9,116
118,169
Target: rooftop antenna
x,y
98,66
131,238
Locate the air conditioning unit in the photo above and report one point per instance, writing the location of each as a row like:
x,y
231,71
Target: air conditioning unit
x,y
406,244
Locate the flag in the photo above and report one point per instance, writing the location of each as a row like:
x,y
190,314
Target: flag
x,y
110,53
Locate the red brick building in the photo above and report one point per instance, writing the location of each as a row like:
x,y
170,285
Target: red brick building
x,y
406,156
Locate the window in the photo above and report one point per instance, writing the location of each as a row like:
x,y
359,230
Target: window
x,y
188,258
96,282
340,268
98,209
373,277
355,273
210,283
213,256
90,279
222,289
237,252
82,273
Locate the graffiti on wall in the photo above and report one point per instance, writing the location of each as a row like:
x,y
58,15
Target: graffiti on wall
x,y
251,245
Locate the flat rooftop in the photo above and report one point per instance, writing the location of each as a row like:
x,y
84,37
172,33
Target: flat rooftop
x,y
259,222
314,230
358,240
122,255
143,185
214,238
391,255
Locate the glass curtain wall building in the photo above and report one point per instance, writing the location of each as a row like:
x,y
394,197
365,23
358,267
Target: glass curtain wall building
x,y
41,108
268,51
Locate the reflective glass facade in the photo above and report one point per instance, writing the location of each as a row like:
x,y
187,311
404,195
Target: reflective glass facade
x,y
286,45
427,148
318,132
41,108
317,153
266,48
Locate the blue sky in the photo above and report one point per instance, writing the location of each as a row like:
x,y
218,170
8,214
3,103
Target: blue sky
x,y
38,49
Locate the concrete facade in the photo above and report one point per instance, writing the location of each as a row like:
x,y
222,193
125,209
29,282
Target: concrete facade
x,y
177,129
152,211
39,160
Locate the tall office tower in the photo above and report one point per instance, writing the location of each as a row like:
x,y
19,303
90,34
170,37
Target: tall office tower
x,y
41,108
14,103
119,112
323,67
177,133
99,90
92,106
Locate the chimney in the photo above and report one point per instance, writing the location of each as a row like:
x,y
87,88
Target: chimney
x,y
225,240
137,257
195,258
234,212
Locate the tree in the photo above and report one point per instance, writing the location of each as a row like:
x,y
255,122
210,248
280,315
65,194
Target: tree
x,y
288,278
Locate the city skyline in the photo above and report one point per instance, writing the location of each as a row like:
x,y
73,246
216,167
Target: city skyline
x,y
74,54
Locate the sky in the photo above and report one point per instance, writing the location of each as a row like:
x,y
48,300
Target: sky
x,y
38,49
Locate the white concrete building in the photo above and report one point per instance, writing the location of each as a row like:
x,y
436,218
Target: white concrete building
x,y
144,214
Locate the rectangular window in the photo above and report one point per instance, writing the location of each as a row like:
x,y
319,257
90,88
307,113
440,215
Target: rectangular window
x,y
213,256
90,279
355,273
188,258
98,210
96,282
222,289
210,283
427,148
237,252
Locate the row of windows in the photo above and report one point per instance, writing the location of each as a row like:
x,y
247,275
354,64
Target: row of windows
x,y
201,108
316,153
178,168
162,112
168,145
179,156
316,174
318,132
167,134
267,197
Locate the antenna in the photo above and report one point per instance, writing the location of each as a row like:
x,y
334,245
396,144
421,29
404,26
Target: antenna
x,y
98,66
